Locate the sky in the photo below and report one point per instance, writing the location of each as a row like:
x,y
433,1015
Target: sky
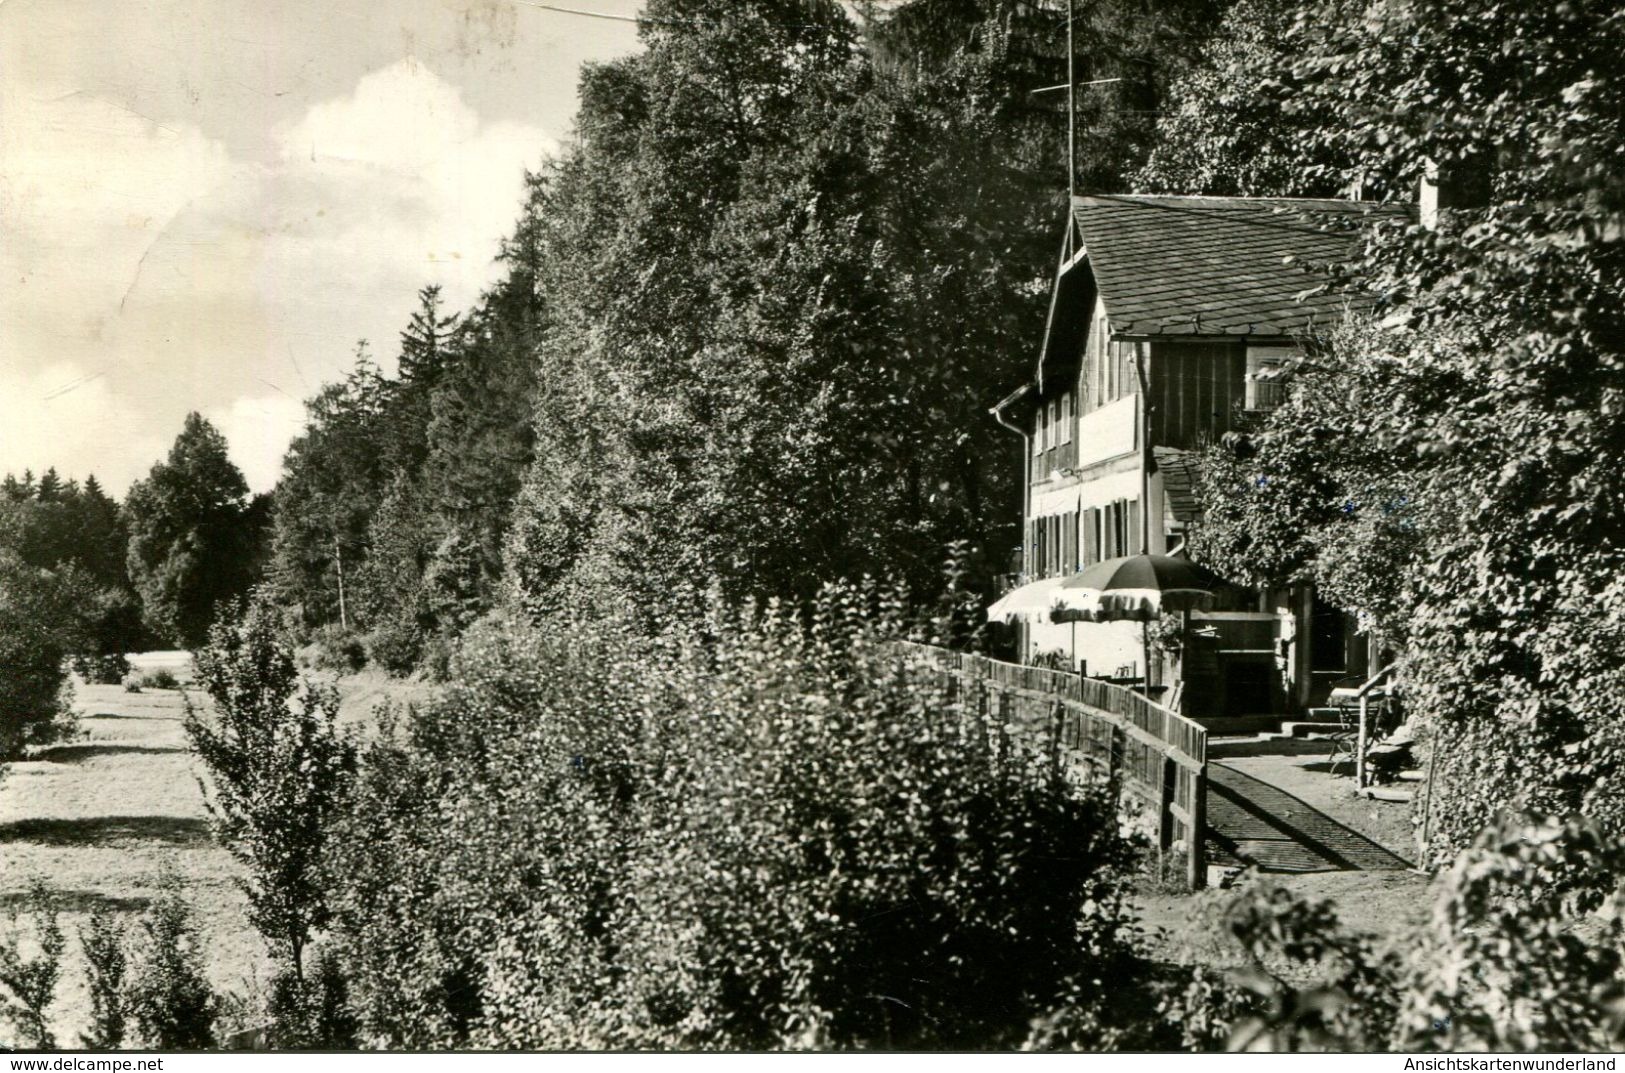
x,y
204,204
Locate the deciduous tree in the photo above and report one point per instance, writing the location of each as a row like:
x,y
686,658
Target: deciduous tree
x,y
190,545
277,768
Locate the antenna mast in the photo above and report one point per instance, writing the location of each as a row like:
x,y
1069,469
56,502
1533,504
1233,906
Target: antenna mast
x,y
1071,112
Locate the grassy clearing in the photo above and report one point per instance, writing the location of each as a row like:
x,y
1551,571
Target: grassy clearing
x,y
99,817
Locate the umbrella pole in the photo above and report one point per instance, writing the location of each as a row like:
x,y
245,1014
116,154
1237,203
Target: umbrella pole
x,y
1145,643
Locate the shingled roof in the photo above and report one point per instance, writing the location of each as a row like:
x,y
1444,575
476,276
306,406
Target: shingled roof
x,y
1181,477
1216,266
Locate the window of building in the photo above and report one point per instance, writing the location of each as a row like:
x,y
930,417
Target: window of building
x,y
1108,532
1038,433
1066,417
1266,368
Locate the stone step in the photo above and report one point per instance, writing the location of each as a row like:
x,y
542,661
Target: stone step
x,y
1305,728
1231,725
1387,793
1413,775
1264,745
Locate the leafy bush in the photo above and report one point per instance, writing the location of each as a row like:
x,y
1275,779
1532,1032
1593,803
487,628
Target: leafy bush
x,y
395,647
750,831
1500,967
167,999
102,670
339,649
106,964
312,1012
412,960
162,678
36,624
1298,981
28,984
277,768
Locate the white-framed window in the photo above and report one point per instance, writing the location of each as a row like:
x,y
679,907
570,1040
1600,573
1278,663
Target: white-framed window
x,y
1066,417
1038,432
1266,375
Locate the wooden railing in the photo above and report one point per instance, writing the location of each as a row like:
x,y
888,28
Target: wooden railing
x,y
1118,734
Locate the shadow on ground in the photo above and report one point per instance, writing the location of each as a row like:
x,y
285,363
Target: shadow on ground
x,y
1256,823
154,713
76,901
1272,747
1341,766
96,830
79,752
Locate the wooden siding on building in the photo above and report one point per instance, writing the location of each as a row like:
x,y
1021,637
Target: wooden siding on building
x,y
1054,460
1067,542
1197,391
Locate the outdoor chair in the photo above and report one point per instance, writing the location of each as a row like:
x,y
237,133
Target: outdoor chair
x,y
1345,739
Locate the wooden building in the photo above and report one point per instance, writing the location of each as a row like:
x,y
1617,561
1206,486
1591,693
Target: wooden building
x,y
1170,318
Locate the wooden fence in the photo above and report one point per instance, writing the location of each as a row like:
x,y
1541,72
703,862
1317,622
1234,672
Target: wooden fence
x,y
1145,749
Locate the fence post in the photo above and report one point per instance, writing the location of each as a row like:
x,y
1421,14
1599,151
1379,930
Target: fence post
x,y
1196,833
1007,712
1165,812
1057,720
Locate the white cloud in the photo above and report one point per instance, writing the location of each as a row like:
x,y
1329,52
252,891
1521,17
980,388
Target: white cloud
x,y
67,416
411,176
86,189
144,258
258,431
65,411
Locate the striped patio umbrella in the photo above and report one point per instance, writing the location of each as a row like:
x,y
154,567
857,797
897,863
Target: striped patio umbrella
x,y
1032,602
1135,588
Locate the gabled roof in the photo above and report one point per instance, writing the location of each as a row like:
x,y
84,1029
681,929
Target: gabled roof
x,y
1216,266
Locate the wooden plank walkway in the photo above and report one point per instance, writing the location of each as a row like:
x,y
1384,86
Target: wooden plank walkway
x,y
1252,822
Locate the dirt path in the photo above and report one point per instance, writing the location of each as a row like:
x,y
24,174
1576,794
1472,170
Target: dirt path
x,y
98,818
1254,821
1302,828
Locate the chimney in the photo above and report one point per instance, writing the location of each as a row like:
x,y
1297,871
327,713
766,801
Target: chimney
x,y
1461,184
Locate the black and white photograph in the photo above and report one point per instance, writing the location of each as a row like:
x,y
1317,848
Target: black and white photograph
x,y
701,527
